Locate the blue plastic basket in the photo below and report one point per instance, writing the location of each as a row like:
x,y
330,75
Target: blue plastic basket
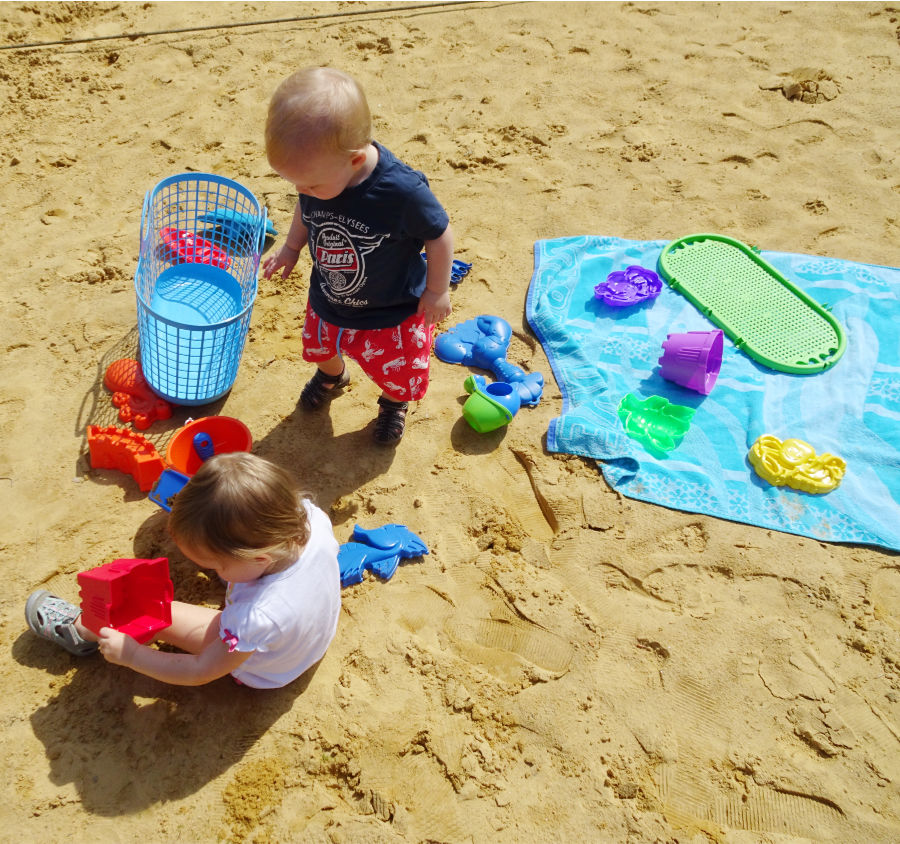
x,y
201,238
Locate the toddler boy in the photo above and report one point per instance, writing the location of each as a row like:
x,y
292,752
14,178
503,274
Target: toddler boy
x,y
366,216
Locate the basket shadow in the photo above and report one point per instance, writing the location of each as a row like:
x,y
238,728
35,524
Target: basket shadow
x,y
97,409
326,466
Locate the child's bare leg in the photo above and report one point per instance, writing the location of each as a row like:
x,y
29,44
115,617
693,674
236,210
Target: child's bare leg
x,y
87,635
333,366
193,628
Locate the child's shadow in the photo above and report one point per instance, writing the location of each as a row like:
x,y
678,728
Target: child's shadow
x,y
328,467
127,742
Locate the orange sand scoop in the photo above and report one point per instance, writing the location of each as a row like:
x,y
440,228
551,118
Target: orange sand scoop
x,y
137,403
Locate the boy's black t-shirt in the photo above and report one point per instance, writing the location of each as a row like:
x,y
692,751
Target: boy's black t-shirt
x,y
366,246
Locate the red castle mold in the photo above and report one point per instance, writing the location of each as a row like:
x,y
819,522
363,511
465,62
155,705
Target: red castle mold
x,y
131,596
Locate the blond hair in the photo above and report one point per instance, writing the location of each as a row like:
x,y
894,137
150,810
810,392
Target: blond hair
x,y
240,505
317,108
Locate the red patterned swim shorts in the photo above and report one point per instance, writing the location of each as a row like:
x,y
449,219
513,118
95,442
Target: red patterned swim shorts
x,y
395,358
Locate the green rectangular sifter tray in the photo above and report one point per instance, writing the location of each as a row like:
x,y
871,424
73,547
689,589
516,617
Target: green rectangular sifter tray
x,y
766,316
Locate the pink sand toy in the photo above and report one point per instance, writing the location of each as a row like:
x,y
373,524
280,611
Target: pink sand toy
x,y
188,247
693,359
131,596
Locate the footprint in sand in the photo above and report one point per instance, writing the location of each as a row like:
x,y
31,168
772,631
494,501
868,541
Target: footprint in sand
x,y
885,592
806,84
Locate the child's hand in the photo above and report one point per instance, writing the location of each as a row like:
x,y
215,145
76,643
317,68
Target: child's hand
x,y
284,260
435,306
116,647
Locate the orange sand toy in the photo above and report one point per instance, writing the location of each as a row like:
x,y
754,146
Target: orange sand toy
x,y
126,451
226,434
137,403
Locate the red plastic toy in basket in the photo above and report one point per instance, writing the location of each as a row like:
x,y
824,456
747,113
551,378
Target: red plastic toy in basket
x,y
131,596
189,248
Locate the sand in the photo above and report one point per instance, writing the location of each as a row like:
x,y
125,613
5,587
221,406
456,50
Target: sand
x,y
565,664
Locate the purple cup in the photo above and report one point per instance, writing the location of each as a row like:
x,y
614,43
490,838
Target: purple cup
x,y
693,360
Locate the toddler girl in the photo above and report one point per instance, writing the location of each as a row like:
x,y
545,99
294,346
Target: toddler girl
x,y
244,518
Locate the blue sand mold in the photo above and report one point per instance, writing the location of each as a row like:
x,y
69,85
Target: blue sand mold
x,y
379,550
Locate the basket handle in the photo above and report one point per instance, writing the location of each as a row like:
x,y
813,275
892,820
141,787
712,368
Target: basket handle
x,y
261,239
145,222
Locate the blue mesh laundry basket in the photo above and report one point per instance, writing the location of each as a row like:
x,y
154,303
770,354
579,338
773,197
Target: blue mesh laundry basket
x,y
201,238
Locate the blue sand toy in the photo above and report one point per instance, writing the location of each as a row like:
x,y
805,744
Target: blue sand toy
x,y
490,406
170,483
203,445
235,223
379,550
235,229
458,269
483,342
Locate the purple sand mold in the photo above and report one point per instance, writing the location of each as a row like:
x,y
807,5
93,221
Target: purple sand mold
x,y
693,359
630,286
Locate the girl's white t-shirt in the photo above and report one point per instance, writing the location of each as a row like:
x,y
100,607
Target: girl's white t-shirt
x,y
289,618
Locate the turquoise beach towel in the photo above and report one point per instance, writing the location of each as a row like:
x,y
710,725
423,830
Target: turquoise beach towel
x,y
599,353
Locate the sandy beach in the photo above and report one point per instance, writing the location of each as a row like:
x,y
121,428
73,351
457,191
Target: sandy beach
x,y
565,664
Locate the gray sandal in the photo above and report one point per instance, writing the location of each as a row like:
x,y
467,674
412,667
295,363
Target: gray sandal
x,y
54,619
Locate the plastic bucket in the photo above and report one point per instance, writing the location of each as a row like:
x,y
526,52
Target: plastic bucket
x,y
227,434
693,360
489,406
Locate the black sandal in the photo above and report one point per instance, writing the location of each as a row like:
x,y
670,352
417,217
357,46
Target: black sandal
x,y
315,393
391,421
